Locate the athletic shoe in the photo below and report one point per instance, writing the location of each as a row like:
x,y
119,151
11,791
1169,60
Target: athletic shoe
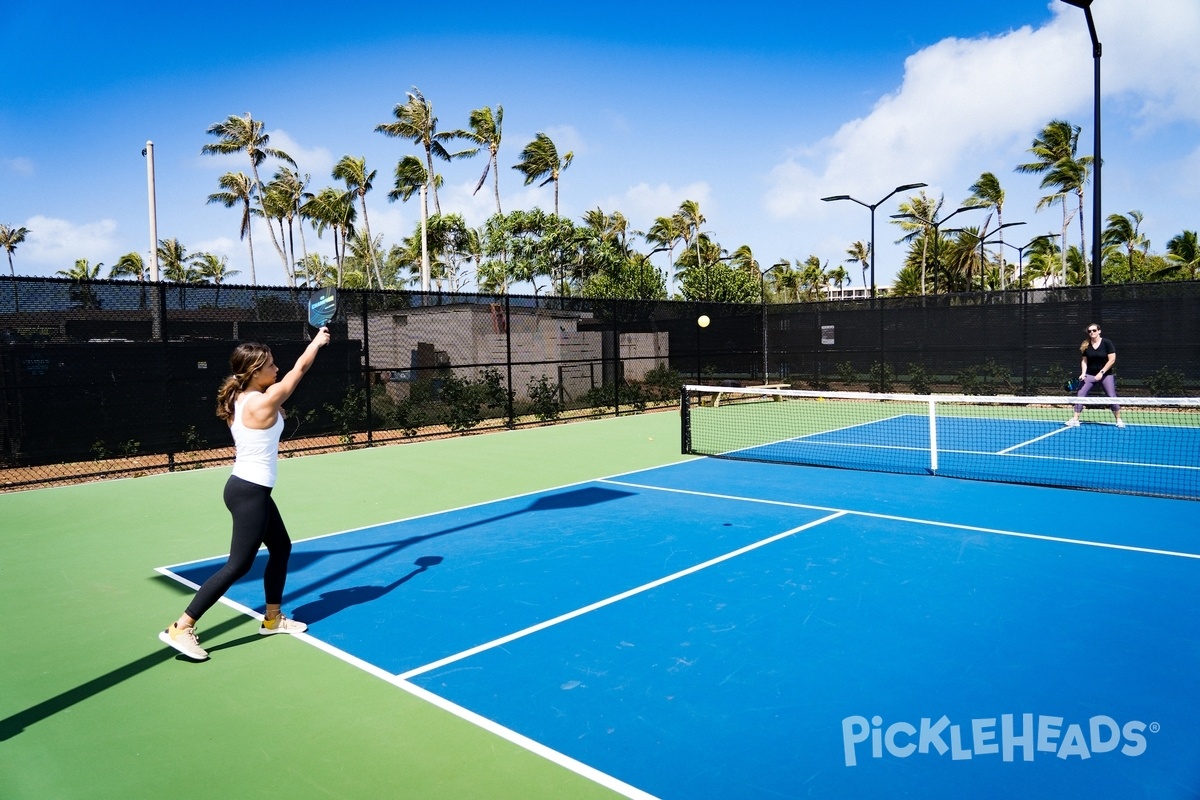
x,y
184,640
1120,423
1072,423
280,624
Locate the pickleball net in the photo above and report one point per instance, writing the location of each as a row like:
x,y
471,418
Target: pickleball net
x,y
992,438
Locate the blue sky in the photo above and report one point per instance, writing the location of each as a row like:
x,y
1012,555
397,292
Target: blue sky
x,y
754,115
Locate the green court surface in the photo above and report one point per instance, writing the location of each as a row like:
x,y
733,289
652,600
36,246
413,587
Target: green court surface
x,y
93,706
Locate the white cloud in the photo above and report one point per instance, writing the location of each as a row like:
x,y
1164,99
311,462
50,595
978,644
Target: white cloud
x,y
643,203
315,161
20,166
57,243
966,106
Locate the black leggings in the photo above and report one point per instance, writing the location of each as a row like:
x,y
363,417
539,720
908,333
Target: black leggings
x,y
256,522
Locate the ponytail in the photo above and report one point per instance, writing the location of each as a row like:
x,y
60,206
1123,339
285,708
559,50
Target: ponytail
x,y
247,358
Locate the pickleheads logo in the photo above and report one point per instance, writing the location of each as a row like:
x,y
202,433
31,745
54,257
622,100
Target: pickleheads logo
x,y
1010,737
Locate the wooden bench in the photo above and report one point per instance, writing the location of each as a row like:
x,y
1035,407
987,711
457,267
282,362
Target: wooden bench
x,y
717,399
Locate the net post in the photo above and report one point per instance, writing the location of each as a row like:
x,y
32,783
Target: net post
x,y
685,416
933,453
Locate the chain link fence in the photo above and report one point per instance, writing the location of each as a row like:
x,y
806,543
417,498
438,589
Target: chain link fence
x,y
110,378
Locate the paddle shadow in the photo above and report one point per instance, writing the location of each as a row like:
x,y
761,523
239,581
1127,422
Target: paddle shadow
x,y
331,603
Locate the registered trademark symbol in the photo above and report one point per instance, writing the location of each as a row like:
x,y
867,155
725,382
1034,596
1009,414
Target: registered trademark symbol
x,y
1155,727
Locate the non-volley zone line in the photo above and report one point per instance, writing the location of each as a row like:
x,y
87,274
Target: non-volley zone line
x,y
561,618
897,518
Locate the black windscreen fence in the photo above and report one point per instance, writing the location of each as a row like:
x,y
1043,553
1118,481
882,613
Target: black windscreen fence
x,y
118,377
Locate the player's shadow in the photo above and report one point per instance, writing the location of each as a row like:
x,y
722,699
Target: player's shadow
x,y
341,599
303,558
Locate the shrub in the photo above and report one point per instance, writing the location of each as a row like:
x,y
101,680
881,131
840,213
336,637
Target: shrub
x,y
1166,382
543,399
882,376
846,373
663,384
918,379
968,380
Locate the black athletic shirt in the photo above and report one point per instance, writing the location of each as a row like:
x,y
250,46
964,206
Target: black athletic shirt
x,y
1097,357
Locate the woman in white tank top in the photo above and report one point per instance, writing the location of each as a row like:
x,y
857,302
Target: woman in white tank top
x,y
251,402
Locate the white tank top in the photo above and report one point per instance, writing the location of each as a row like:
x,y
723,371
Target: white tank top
x,y
257,450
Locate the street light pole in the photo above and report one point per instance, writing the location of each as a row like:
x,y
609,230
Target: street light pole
x,y
1097,214
762,289
1021,254
872,207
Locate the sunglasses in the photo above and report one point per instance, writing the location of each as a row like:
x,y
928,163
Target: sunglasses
x,y
1093,330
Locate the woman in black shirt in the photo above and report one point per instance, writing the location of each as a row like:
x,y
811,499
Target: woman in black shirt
x,y
1097,357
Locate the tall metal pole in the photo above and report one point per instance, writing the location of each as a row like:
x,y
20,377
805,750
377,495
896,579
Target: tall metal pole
x,y
424,239
1097,211
149,154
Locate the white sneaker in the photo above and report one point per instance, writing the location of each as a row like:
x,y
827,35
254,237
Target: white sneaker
x,y
184,640
1072,423
280,624
1120,423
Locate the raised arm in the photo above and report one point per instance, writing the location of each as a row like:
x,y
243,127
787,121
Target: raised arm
x,y
264,408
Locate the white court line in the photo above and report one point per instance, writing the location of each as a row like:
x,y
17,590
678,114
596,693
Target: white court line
x,y
645,587
520,740
934,523
1055,432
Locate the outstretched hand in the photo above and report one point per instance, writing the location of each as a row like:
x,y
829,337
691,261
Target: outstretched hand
x,y
322,337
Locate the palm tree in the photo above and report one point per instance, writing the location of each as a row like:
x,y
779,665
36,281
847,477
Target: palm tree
x,y
285,194
415,121
334,210
1124,231
785,281
690,220
132,265
10,238
838,276
1054,153
353,171
485,132
238,189
666,232
129,265
987,193
82,272
813,278
922,211
245,135
860,253
743,259
213,268
1183,251
540,159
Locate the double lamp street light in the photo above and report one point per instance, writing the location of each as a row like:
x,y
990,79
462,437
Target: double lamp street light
x,y
872,207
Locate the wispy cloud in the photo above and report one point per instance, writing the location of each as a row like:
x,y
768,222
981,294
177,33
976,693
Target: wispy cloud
x,y
56,243
20,166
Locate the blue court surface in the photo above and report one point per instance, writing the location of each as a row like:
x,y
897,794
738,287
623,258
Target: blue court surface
x,y
1043,452
720,629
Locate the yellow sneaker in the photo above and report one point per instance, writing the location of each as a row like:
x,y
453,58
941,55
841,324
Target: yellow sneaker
x,y
280,624
185,641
